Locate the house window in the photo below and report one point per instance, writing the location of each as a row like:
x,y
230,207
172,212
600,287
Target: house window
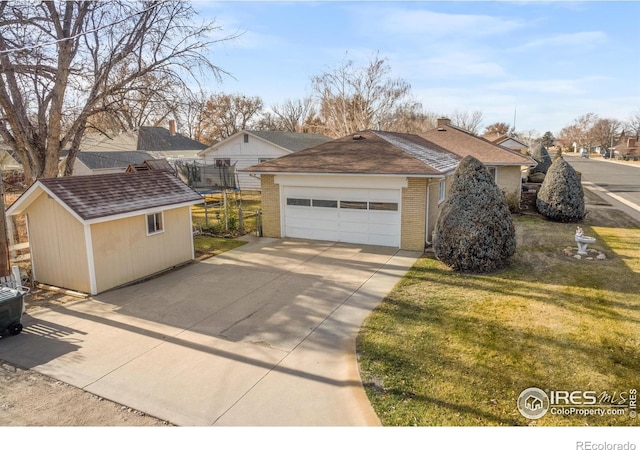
x,y
246,138
443,191
493,171
383,206
222,162
155,223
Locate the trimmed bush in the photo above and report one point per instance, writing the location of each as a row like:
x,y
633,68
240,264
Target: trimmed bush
x,y
542,157
474,231
561,197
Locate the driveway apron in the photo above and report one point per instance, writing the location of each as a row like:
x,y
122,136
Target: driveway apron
x,y
260,335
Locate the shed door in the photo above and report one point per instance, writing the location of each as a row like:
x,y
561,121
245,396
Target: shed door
x,y
359,216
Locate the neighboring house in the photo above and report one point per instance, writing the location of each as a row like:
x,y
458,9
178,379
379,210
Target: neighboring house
x,y
372,187
247,148
93,233
152,164
8,158
627,148
159,142
95,163
504,164
512,143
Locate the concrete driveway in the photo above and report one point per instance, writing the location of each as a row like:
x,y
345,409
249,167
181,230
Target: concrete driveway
x,y
261,335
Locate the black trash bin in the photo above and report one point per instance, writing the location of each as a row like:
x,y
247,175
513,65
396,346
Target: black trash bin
x,y
11,307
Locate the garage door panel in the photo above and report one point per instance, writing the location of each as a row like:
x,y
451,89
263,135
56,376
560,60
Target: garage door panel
x,y
354,238
344,224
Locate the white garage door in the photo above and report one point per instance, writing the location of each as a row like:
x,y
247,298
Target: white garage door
x,y
360,216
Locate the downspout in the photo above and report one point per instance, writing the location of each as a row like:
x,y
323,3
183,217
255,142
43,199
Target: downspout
x,y
427,242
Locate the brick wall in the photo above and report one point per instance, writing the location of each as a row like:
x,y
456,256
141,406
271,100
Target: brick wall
x,y
270,206
413,215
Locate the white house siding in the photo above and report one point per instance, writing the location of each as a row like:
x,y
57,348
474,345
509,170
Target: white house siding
x,y
244,154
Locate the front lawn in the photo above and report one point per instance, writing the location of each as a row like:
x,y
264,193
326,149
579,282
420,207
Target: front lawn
x,y
458,349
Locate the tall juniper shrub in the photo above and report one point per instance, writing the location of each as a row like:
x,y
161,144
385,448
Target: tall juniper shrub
x,y
561,197
474,231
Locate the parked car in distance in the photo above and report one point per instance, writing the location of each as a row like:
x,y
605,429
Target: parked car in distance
x,y
584,153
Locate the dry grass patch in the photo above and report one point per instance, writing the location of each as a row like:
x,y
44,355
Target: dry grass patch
x,y
457,349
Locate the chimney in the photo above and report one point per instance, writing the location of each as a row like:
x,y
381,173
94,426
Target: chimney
x,y
172,127
631,142
443,122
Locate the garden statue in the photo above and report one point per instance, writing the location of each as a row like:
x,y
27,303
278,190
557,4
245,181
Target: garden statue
x,y
583,241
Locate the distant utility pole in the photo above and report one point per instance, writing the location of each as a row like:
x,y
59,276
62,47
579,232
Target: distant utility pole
x,y
5,268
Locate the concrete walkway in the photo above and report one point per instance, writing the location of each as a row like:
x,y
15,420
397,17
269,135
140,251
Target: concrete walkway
x,y
261,335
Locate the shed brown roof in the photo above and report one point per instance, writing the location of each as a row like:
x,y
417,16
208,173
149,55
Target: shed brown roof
x,y
464,143
366,152
98,196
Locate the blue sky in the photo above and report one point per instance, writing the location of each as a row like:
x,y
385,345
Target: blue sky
x,y
550,61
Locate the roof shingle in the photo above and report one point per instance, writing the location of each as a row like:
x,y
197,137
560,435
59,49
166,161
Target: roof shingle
x,y
367,152
98,196
464,143
112,160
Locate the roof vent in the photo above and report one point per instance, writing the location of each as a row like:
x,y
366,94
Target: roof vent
x,y
441,129
357,137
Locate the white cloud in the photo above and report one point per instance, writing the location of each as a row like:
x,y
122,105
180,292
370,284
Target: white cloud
x,y
580,39
403,21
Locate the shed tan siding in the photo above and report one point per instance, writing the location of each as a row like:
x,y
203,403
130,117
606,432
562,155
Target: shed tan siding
x,y
123,252
270,206
58,247
413,215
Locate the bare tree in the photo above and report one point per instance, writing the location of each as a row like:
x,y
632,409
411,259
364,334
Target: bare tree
x,y
499,128
605,132
466,120
632,125
293,114
61,63
226,114
411,118
354,98
151,100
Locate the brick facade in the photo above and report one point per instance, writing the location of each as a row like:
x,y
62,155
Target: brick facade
x,y
270,206
413,215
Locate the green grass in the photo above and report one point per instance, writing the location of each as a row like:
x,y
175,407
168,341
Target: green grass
x,y
214,214
207,246
457,349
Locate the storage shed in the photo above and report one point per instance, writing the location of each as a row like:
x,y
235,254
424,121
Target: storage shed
x,y
93,233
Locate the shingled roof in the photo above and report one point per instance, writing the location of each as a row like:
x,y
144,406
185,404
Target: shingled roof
x,y
463,143
94,197
367,152
112,160
291,141
287,140
146,139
